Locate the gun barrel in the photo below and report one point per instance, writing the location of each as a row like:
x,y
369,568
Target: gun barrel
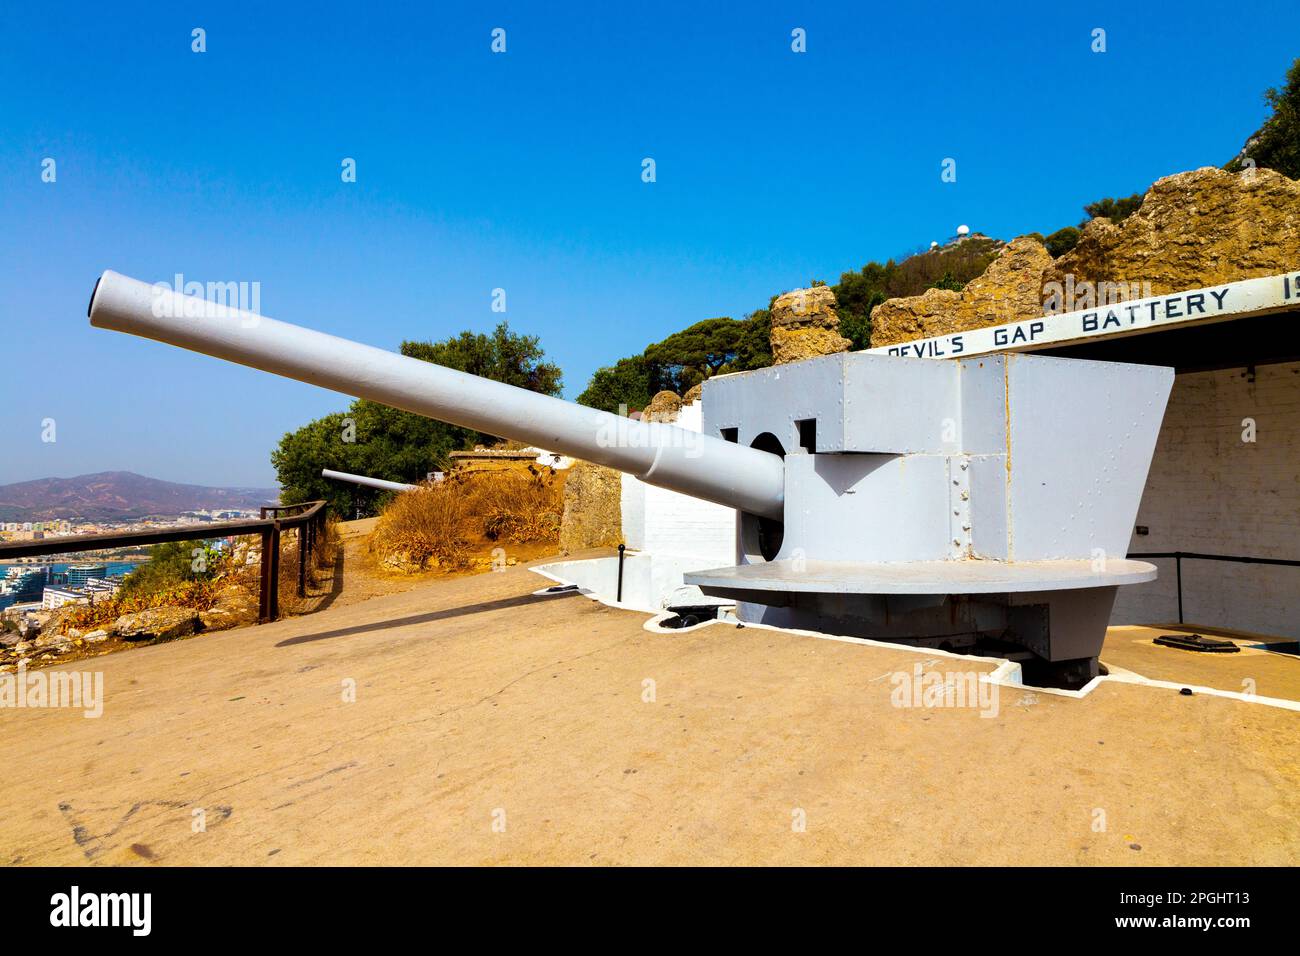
x,y
366,480
660,454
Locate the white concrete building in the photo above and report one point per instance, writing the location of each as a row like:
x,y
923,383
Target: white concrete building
x,y
52,598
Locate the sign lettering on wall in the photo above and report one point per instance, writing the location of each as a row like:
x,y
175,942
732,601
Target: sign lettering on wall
x,y
1199,306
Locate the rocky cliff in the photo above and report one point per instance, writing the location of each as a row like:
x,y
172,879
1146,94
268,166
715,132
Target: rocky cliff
x,y
1010,289
1194,229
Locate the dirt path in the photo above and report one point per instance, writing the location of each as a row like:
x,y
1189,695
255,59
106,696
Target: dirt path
x,y
354,576
467,721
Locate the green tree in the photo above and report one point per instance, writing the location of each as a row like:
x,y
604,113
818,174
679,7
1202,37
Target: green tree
x,y
502,356
1116,210
171,563
374,439
629,382
682,360
1276,144
687,358
856,327
1062,241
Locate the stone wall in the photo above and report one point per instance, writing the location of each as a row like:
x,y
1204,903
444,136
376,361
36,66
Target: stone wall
x,y
592,508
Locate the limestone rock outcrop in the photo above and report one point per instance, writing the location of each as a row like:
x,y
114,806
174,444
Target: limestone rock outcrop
x,y
664,407
157,623
1010,289
1194,229
805,325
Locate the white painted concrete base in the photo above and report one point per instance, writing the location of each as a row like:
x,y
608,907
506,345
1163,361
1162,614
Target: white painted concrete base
x,y
1008,674
650,581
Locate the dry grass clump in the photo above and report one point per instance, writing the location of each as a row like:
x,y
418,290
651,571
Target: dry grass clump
x,y
515,505
420,527
439,524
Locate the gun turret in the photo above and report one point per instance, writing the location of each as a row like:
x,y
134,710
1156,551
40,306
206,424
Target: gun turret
x,y
943,502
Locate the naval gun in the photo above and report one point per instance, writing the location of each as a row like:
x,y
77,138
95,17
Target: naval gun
x,y
956,503
365,481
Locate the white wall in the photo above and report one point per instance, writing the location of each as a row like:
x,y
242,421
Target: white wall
x,y
664,522
1212,492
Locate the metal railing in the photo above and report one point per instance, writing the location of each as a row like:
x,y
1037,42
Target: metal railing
x,y
308,518
1180,556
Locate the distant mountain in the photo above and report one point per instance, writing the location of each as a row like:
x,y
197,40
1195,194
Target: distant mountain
x,y
119,495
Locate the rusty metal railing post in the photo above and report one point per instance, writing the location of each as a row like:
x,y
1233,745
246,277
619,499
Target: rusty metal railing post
x,y
302,559
269,596
264,578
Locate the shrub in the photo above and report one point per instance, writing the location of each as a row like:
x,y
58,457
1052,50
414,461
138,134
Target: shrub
x,y
1062,241
198,594
171,564
427,523
1116,210
441,522
514,505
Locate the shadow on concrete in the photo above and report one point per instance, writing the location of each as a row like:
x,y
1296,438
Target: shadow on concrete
x,y
318,598
336,580
480,608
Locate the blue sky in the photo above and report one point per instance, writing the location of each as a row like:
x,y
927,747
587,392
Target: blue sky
x,y
523,171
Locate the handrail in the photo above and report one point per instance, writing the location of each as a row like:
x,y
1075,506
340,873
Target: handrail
x,y
294,520
308,523
1178,557
1284,562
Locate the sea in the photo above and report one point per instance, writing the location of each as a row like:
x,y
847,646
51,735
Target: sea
x,y
114,567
